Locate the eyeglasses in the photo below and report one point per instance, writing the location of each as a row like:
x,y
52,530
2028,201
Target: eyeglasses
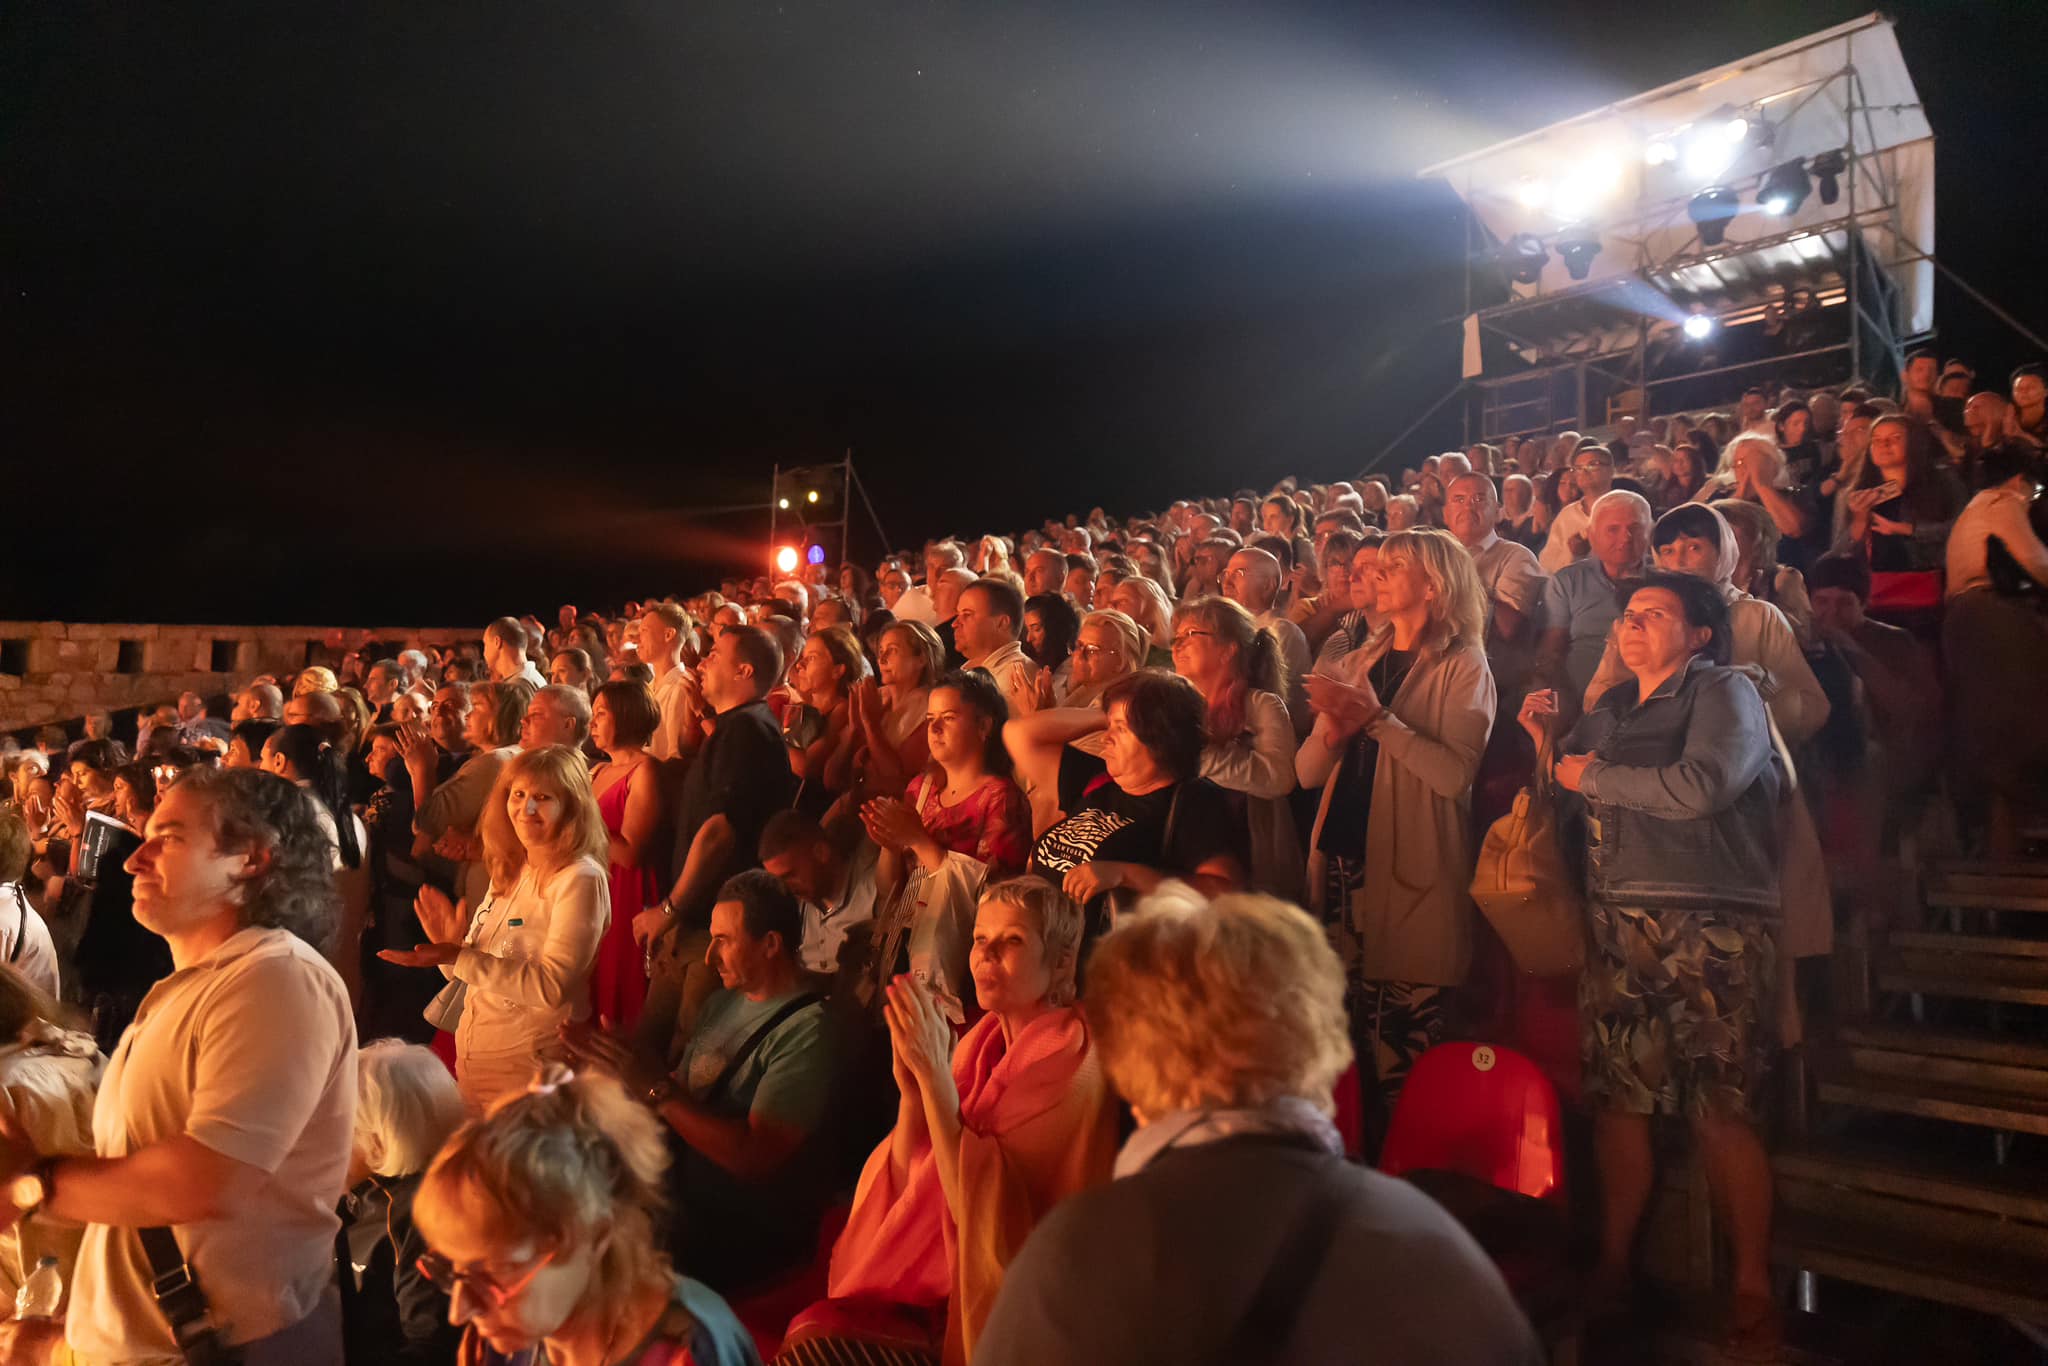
x,y
1091,651
1582,466
1183,637
443,1275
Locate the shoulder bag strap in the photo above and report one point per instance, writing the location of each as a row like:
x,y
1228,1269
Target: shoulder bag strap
x,y
21,914
182,1301
1270,1321
1172,815
716,1090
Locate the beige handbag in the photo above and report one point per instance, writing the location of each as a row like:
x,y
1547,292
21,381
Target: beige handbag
x,y
1525,887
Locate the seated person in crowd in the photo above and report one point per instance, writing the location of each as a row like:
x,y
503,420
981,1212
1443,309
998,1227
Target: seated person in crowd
x,y
750,1097
990,1134
49,1078
1252,580
540,1218
1571,531
988,627
406,1107
832,876
1235,1168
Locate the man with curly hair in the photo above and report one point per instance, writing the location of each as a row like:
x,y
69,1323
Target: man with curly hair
x,y
223,1124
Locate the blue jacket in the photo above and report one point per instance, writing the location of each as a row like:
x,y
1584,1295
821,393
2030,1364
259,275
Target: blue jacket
x,y
1679,807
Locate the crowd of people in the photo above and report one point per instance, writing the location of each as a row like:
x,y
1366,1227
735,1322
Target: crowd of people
x,y
996,928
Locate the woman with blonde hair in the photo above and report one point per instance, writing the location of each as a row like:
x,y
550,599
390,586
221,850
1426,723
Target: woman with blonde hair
x,y
1053,761
1401,725
1146,603
990,1134
541,1221
522,961
1235,1180
315,678
1237,668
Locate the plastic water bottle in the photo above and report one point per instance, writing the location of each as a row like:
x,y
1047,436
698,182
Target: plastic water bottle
x,y
41,1293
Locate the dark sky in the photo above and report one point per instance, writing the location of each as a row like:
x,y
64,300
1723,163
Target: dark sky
x,y
423,312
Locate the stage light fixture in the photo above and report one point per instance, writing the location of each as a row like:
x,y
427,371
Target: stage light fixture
x,y
782,503
1577,251
1524,258
814,554
1711,210
1784,188
1659,152
812,495
1828,169
1712,144
1699,327
1531,194
785,559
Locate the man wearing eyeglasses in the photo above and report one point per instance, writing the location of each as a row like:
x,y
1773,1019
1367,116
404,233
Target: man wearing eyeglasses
x,y
1593,468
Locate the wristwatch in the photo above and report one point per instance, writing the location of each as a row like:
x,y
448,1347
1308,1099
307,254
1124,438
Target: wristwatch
x,y
32,1190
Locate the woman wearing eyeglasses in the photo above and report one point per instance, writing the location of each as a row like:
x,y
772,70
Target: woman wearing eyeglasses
x,y
540,1222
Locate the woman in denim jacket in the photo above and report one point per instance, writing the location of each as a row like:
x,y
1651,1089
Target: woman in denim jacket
x,y
1677,796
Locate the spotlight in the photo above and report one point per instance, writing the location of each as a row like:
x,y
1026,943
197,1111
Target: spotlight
x,y
1828,168
1699,327
1530,194
814,554
782,503
1712,144
1784,188
1578,251
1524,258
1735,129
1660,152
1711,211
785,559
812,495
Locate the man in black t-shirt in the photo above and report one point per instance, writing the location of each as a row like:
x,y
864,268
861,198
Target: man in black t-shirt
x,y
737,781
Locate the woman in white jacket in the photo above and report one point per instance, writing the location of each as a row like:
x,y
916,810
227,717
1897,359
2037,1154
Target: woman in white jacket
x,y
1401,723
523,957
1237,668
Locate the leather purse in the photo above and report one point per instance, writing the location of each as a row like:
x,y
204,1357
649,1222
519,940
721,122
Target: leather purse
x,y
1526,888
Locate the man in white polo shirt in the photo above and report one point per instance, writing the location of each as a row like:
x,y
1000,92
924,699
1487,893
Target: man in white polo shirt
x,y
225,1115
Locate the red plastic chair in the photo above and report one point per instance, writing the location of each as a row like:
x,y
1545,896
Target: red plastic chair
x,y
1484,1112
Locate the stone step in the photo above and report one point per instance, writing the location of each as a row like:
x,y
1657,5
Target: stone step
x,y
1964,976
1871,1251
1945,942
1948,1100
2000,1049
2016,1196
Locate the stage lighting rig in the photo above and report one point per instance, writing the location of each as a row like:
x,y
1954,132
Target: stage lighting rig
x,y
1784,188
1524,257
1699,327
1711,210
1828,169
1577,248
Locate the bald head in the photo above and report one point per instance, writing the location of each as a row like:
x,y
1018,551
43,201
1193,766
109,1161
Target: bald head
x,y
320,709
1252,579
946,591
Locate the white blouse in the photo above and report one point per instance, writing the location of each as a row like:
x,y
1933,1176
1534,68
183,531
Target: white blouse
x,y
528,955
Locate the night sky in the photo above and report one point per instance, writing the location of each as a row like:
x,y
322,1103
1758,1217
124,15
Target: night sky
x,y
424,312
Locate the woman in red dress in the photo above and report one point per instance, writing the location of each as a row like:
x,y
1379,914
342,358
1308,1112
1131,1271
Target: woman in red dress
x,y
623,719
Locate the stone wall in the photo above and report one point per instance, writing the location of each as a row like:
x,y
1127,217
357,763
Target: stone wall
x,y
57,671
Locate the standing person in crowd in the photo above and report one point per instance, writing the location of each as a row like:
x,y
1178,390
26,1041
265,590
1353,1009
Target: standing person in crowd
x,y
224,1116
1237,668
556,715
990,1134
1236,1167
540,1217
821,678
1995,628
1151,816
25,943
1757,571
1799,443
34,793
1055,760
1509,574
2030,404
406,1107
1901,691
1400,729
885,746
624,719
986,626
1672,782
967,801
572,668
663,635
491,715
1900,510
739,779
1696,540
1252,580
1518,513
522,959
300,754
505,653
118,959
1321,617
1592,466
245,745
49,1079
1362,580
1581,604
1141,600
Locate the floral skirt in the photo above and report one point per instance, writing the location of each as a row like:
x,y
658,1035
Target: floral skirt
x,y
1675,1011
